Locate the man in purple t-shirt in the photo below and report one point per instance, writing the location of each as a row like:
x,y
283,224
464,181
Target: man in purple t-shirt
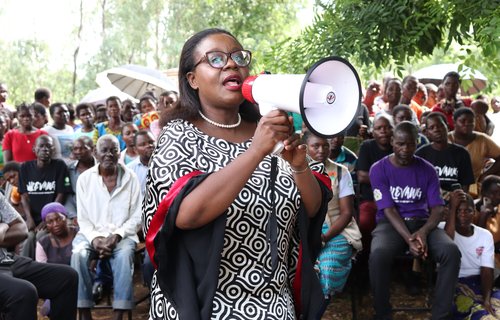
x,y
406,190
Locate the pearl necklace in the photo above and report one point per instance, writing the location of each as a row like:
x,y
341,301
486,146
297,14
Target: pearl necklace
x,y
220,125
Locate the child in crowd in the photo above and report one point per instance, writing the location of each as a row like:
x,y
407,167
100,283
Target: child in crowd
x,y
475,297
129,110
100,114
148,113
60,130
168,99
72,117
85,112
128,154
40,118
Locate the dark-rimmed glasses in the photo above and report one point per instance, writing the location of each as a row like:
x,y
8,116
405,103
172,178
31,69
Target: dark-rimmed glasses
x,y
218,59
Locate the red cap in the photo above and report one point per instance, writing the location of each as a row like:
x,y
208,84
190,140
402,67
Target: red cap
x,y
246,88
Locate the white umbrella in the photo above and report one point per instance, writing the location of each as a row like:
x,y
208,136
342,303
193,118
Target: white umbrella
x,y
473,81
135,80
99,95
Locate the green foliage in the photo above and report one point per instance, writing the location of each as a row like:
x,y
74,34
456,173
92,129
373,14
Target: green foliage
x,y
258,24
135,28
375,35
394,34
28,69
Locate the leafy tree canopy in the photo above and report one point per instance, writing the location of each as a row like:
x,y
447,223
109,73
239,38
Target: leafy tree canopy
x,y
381,34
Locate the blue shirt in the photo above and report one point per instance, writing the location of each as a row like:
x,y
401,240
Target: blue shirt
x,y
141,171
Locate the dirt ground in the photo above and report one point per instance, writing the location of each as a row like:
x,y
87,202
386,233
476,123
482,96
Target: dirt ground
x,y
339,308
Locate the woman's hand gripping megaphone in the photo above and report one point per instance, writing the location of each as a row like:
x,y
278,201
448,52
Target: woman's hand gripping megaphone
x,y
327,96
267,109
273,132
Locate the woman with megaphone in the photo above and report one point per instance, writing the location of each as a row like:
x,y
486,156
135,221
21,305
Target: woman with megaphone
x,y
233,231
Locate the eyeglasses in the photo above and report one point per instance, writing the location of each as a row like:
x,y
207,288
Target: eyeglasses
x,y
218,59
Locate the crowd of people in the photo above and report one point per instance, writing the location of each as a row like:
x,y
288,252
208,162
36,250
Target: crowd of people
x,y
72,202
231,230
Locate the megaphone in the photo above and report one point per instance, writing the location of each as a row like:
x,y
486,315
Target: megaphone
x,y
327,96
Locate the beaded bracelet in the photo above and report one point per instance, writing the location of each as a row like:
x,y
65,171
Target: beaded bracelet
x,y
299,171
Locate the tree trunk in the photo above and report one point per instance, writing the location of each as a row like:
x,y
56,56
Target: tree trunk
x,y
77,50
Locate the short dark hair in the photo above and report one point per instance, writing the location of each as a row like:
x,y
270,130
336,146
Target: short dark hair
x,y
113,98
52,107
307,135
401,107
23,106
11,166
126,124
395,80
452,74
44,136
461,111
408,78
39,108
147,97
86,140
469,200
437,115
84,105
100,106
41,93
407,127
139,133
384,117
71,111
489,182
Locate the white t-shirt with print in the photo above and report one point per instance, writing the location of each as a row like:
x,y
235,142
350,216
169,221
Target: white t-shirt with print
x,y
477,251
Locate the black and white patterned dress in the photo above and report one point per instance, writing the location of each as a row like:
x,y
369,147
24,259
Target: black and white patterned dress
x,y
242,291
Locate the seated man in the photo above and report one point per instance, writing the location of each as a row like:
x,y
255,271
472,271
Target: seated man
x,y
406,190
109,212
41,181
23,280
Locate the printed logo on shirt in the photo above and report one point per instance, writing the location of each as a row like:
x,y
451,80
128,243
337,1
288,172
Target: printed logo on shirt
x,y
377,195
37,187
445,173
479,251
405,195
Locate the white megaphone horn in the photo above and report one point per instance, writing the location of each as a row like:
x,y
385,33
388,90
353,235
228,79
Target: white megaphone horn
x,y
327,96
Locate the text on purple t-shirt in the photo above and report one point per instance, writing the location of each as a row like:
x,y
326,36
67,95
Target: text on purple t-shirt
x,y
412,190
